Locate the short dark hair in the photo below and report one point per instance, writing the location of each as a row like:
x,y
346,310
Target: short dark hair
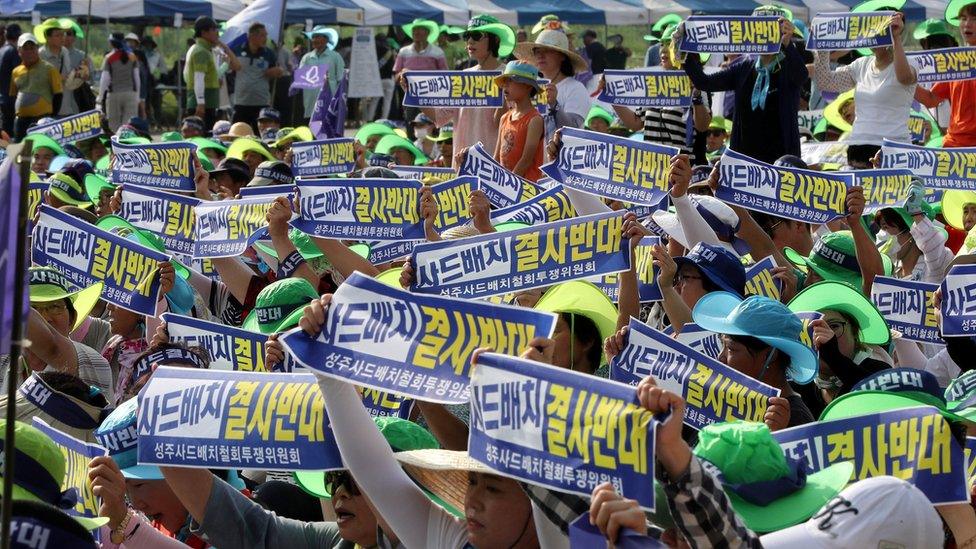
x,y
585,331
566,67
73,387
203,24
256,27
969,10
494,43
755,345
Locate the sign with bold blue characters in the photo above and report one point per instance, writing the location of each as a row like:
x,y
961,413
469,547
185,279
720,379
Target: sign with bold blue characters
x,y
907,306
203,266
647,287
452,89
383,404
87,255
561,429
323,157
953,168
164,166
913,444
502,187
917,124
807,120
385,251
612,167
360,209
70,129
230,348
802,195
552,205
760,281
959,301
226,228
168,215
970,452
698,338
35,195
646,88
730,34
714,392
235,420
269,191
583,535
848,31
452,201
944,65
887,188
531,257
425,174
408,344
77,454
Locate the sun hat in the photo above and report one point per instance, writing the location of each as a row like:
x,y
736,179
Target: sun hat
x,y
832,111
40,471
67,190
800,28
119,436
879,5
170,137
767,489
523,73
237,168
762,318
371,129
237,129
328,32
580,297
70,24
550,21
491,25
401,434
433,29
833,258
444,473
953,204
272,173
389,142
279,305
47,284
41,525
64,412
554,40
596,111
720,123
301,133
837,296
658,27
952,11
302,241
42,140
49,24
203,143
242,145
931,27
891,389
267,113
719,216
445,133
720,266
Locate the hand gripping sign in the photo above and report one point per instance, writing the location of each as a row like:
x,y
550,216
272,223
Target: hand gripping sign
x,y
953,168
730,34
848,31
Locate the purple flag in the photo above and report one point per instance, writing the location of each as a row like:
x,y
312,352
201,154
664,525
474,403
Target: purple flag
x,y
308,77
317,120
334,124
10,189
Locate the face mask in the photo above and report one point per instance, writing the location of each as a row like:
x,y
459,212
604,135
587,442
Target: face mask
x,y
421,133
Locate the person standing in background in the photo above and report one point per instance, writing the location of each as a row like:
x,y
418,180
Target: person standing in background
x,y
617,55
595,51
422,55
200,72
50,34
118,89
324,40
135,45
80,71
9,59
36,85
258,67
154,62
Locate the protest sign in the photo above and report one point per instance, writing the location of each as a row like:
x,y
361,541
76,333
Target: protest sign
x,y
848,31
452,89
230,348
698,338
713,391
552,205
647,288
541,99
940,168
425,174
561,429
970,453
944,65
907,306
914,444
167,215
802,195
163,166
409,344
70,129
383,251
234,420
226,228
583,535
203,266
452,201
807,120
959,301
502,187
730,34
77,454
531,257
383,209
646,88
364,66
35,194
883,188
87,255
323,157
612,167
383,404
760,281
918,123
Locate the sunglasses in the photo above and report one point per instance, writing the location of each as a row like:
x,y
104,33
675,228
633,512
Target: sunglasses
x,y
340,479
473,35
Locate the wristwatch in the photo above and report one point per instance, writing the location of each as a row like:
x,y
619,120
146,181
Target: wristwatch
x,y
118,534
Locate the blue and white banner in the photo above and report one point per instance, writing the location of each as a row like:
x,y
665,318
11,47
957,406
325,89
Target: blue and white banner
x,y
959,301
646,88
452,201
408,344
452,89
647,287
918,123
87,255
760,281
323,157
428,175
908,307
235,420
267,12
698,338
167,215
70,129
848,31
203,266
226,228
944,65
164,166
583,535
229,348
385,251
886,188
532,257
35,195
383,404
77,454
612,167
360,209
802,195
915,444
713,391
561,429
730,34
502,187
970,452
953,168
552,205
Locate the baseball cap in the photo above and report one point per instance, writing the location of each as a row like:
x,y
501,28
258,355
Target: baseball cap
x,y
837,296
833,258
720,266
203,23
445,133
720,217
421,119
268,113
47,284
272,173
25,38
66,413
194,122
67,190
235,167
279,306
132,36
890,389
219,127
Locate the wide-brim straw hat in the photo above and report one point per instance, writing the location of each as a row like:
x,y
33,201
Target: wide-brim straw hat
x,y
555,40
444,473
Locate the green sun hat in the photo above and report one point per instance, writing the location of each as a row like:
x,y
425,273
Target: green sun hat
x,y
451,29
41,140
279,306
658,27
931,27
832,112
879,5
302,242
952,11
67,190
119,226
71,24
891,389
401,434
205,161
434,30
837,296
720,123
390,142
301,133
242,145
371,129
94,185
596,111
546,21
391,277
104,165
833,258
445,133
47,284
753,465
203,144
935,142
171,137
491,25
580,297
48,24
523,73
953,204
510,226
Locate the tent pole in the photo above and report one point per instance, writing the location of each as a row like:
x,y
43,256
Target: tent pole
x,y
281,44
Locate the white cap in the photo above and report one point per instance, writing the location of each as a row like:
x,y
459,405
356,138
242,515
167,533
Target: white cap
x,y
876,512
25,38
132,36
668,221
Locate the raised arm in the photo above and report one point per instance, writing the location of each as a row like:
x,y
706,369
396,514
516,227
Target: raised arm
x,y
831,80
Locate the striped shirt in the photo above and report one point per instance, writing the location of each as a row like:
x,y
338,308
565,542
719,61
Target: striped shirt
x,y
666,126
